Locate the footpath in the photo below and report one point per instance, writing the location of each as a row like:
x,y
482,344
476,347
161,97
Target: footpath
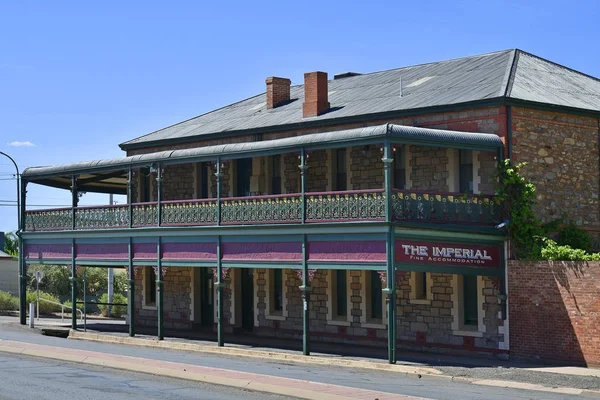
x,y
479,372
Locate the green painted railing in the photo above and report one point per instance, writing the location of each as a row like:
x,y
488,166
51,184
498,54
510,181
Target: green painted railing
x,y
362,205
420,206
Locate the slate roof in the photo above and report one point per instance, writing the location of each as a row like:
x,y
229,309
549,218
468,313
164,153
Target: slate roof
x,y
512,74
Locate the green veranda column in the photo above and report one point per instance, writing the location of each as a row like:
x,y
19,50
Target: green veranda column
x,y
303,167
220,284
22,263
159,290
390,289
131,299
306,289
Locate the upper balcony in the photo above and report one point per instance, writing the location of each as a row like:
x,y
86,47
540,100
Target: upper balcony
x,y
424,172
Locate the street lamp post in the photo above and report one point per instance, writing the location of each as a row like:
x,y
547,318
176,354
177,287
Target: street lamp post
x,y
22,310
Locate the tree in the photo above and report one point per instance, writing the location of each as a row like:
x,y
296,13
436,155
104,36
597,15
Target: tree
x,y
11,244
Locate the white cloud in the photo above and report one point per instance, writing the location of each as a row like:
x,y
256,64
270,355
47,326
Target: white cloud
x,y
21,144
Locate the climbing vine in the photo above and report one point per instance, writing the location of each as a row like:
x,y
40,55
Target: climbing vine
x,y
529,237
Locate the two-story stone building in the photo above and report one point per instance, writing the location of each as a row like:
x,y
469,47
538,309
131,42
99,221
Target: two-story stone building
x,y
357,210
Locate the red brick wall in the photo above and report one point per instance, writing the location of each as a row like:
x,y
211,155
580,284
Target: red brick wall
x,y
554,311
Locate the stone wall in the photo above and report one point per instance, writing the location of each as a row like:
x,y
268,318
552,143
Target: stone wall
x,y
316,177
554,310
176,301
488,165
562,155
291,174
429,168
366,168
178,182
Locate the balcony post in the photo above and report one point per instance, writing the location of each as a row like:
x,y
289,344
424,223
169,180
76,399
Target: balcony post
x,y
303,167
74,201
130,196
74,287
22,263
219,285
131,300
159,195
306,289
159,290
390,289
218,175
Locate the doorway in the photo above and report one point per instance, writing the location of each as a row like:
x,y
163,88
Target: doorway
x,y
247,278
203,298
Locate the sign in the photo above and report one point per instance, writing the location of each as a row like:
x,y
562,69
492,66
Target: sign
x,y
39,275
457,255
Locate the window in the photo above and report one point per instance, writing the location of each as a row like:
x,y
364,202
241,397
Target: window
x,y
374,313
276,296
202,180
337,298
149,287
375,296
145,189
467,307
340,169
470,306
465,171
243,175
400,169
276,174
420,288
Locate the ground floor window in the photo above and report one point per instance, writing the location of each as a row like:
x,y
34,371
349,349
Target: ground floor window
x,y
149,287
420,287
338,296
276,296
373,307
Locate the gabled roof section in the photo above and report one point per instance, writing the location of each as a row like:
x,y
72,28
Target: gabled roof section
x,y
508,74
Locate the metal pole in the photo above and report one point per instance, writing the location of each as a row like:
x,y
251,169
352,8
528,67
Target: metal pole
x,y
130,301
37,298
159,289
110,290
306,289
130,196
20,228
390,289
73,287
220,284
219,175
159,195
84,301
303,167
74,200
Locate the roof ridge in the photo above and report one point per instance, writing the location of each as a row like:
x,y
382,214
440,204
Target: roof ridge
x,y
512,70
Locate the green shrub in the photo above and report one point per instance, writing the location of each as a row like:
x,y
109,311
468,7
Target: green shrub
x,y
116,311
45,308
575,237
8,302
556,252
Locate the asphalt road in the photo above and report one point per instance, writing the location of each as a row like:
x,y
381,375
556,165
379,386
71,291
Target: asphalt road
x,y
428,387
26,377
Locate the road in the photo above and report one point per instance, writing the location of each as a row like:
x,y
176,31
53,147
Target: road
x,y
25,377
427,387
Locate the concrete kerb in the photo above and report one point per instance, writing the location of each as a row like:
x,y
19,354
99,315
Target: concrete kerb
x,y
275,356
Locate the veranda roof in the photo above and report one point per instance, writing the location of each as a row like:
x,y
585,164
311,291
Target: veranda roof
x,y
110,175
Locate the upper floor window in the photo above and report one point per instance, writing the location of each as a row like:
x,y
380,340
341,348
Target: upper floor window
x,y
243,176
465,171
340,169
400,169
145,185
276,174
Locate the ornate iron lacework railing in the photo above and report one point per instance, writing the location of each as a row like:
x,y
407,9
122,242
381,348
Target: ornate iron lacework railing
x,y
189,212
102,217
420,206
285,208
344,206
362,205
44,220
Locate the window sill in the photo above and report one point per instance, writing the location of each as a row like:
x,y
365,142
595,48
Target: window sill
x,y
372,325
276,317
149,307
420,301
473,333
338,322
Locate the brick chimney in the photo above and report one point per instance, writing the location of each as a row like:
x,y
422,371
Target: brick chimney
x,y
315,94
278,91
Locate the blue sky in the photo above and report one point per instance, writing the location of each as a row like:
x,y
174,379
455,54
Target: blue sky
x,y
78,78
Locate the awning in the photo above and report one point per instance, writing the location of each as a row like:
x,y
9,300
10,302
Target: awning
x,y
109,175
